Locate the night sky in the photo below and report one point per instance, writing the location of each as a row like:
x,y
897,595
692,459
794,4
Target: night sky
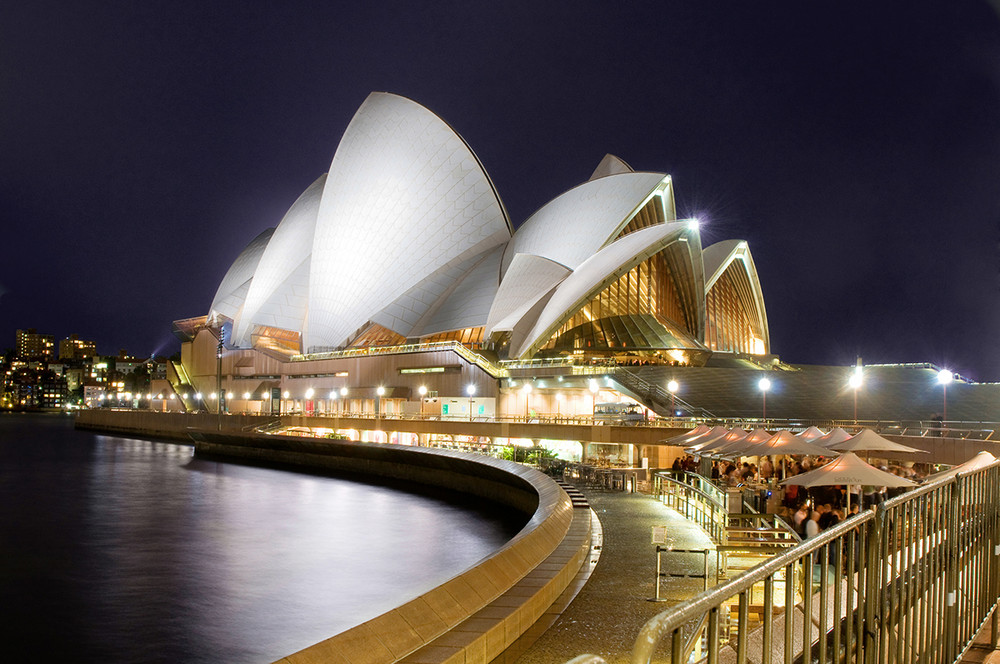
x,y
855,145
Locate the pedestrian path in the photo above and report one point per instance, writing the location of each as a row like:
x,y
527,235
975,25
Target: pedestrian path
x,y
607,614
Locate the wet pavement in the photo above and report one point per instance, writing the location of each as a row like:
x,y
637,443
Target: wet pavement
x,y
607,614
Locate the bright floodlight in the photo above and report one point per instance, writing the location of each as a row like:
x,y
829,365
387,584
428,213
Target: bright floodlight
x,y
286,394
229,395
470,390
764,384
310,392
527,388
944,377
333,394
246,395
559,397
672,386
694,223
854,381
380,391
197,395
422,390
593,386
343,391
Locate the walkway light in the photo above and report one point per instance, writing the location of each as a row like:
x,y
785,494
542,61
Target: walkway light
x,y
197,395
422,391
229,395
527,399
246,396
559,400
286,394
855,382
471,391
764,384
672,387
310,392
943,378
333,394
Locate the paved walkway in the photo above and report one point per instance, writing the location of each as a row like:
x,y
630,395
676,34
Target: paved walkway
x,y
606,616
614,603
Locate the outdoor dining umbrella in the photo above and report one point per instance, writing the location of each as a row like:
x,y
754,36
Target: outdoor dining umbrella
x,y
735,434
834,436
848,469
783,443
981,460
716,433
867,440
688,437
810,435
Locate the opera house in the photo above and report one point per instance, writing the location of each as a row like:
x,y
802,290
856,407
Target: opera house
x,y
397,283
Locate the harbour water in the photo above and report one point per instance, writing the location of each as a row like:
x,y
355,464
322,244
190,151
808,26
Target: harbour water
x,y
118,549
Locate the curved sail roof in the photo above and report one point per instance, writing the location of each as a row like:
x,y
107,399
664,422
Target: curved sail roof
x,y
232,290
573,227
528,279
600,270
719,257
289,247
405,195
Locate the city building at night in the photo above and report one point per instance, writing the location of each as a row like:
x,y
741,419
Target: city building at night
x,y
396,284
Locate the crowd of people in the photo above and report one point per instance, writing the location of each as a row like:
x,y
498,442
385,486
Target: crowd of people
x,y
808,510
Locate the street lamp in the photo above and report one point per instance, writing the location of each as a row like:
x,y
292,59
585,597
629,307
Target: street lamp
x,y
764,386
559,398
308,406
422,391
471,391
527,400
855,382
593,396
343,396
672,387
378,408
943,378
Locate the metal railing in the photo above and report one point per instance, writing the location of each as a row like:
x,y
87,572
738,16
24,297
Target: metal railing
x,y
472,357
705,504
909,582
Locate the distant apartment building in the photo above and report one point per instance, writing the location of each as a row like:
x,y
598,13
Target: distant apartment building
x,y
75,348
31,345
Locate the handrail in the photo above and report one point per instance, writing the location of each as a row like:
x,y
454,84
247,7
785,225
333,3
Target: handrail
x,y
475,358
907,556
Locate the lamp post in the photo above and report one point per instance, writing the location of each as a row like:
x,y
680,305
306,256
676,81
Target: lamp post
x,y
764,386
284,402
672,387
559,398
422,391
308,407
593,398
343,399
333,400
471,391
944,377
527,400
855,382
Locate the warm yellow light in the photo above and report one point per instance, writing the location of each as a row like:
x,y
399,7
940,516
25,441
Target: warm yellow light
x,y
672,386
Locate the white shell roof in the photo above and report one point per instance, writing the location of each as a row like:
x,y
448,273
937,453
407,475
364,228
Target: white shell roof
x,y
229,296
610,165
287,306
289,247
720,256
527,280
598,271
405,195
571,228
467,303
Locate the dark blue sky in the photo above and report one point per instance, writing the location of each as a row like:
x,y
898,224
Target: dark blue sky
x,y
855,145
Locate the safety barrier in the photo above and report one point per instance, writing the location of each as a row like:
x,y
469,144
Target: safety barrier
x,y
911,581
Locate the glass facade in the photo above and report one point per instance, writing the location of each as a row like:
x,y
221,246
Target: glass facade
x,y
734,323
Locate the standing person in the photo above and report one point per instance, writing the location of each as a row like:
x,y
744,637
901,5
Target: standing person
x,y
766,469
812,525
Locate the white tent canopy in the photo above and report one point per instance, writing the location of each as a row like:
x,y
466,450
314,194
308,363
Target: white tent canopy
x,y
867,440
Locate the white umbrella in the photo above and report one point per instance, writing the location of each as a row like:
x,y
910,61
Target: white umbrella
x,y
981,460
722,448
735,434
687,437
848,469
716,433
810,435
836,435
785,442
867,440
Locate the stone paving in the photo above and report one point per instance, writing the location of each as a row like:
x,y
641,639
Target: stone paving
x,y
605,617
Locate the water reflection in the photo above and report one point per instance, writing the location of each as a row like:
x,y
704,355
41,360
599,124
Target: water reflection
x,y
117,549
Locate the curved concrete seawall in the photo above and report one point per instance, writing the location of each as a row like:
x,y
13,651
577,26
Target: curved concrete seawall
x,y
473,617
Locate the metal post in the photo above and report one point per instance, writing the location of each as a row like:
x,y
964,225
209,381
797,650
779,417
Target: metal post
x,y
951,573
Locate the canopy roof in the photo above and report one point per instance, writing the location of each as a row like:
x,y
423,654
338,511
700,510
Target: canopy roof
x,y
846,469
810,435
867,440
785,442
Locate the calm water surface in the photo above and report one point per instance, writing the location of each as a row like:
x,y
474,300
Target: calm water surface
x,y
123,550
